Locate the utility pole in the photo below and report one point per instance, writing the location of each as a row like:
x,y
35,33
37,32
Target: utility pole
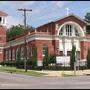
x,y
25,27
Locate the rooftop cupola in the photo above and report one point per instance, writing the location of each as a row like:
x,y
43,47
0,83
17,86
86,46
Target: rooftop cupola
x,y
3,18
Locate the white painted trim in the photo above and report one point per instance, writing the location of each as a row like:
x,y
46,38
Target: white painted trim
x,y
69,16
72,23
40,37
31,38
1,47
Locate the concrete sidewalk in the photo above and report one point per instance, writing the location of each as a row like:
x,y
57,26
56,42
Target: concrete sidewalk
x,y
62,73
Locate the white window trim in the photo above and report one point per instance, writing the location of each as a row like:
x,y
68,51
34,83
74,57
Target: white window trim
x,y
72,23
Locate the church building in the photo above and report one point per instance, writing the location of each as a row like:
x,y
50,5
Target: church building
x,y
58,36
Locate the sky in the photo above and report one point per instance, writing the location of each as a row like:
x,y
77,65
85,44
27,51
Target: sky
x,y
42,11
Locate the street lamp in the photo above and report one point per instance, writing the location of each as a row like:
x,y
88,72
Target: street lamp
x,y
25,49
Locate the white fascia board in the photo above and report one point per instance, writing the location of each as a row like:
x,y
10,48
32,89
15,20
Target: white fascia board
x,y
40,37
30,38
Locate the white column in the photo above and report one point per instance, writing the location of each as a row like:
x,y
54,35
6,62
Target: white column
x,y
64,47
3,22
64,31
57,29
56,26
73,31
84,28
72,41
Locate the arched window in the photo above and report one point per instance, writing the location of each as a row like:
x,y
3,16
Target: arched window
x,y
13,54
69,30
17,53
22,52
6,55
9,54
28,51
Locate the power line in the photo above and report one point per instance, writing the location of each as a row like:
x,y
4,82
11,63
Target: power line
x,y
25,10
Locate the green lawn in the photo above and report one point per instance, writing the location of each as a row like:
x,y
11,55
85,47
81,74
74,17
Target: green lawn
x,y
20,71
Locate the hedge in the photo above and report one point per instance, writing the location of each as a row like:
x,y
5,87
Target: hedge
x,y
8,63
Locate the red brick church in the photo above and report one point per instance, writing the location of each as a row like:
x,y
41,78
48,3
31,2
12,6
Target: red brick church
x,y
58,36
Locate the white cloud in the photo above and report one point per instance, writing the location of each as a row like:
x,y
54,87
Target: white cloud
x,y
59,3
12,21
42,10
17,4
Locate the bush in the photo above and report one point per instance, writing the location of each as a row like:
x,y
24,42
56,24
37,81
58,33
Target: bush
x,y
52,59
8,63
19,62
56,68
29,62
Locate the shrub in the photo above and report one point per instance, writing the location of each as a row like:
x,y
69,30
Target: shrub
x,y
29,62
52,59
8,63
19,62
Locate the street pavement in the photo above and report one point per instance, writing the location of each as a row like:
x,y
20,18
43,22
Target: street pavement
x,y
17,81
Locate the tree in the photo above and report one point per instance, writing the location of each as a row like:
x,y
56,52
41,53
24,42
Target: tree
x,y
14,31
46,57
72,57
88,59
17,30
87,17
52,59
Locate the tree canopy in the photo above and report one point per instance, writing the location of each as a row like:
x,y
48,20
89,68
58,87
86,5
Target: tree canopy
x,y
87,17
17,30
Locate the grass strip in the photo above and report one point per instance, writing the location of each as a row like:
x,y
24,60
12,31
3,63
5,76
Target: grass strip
x,y
20,71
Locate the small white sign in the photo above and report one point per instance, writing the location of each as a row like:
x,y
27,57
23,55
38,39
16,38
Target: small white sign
x,y
39,63
64,60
